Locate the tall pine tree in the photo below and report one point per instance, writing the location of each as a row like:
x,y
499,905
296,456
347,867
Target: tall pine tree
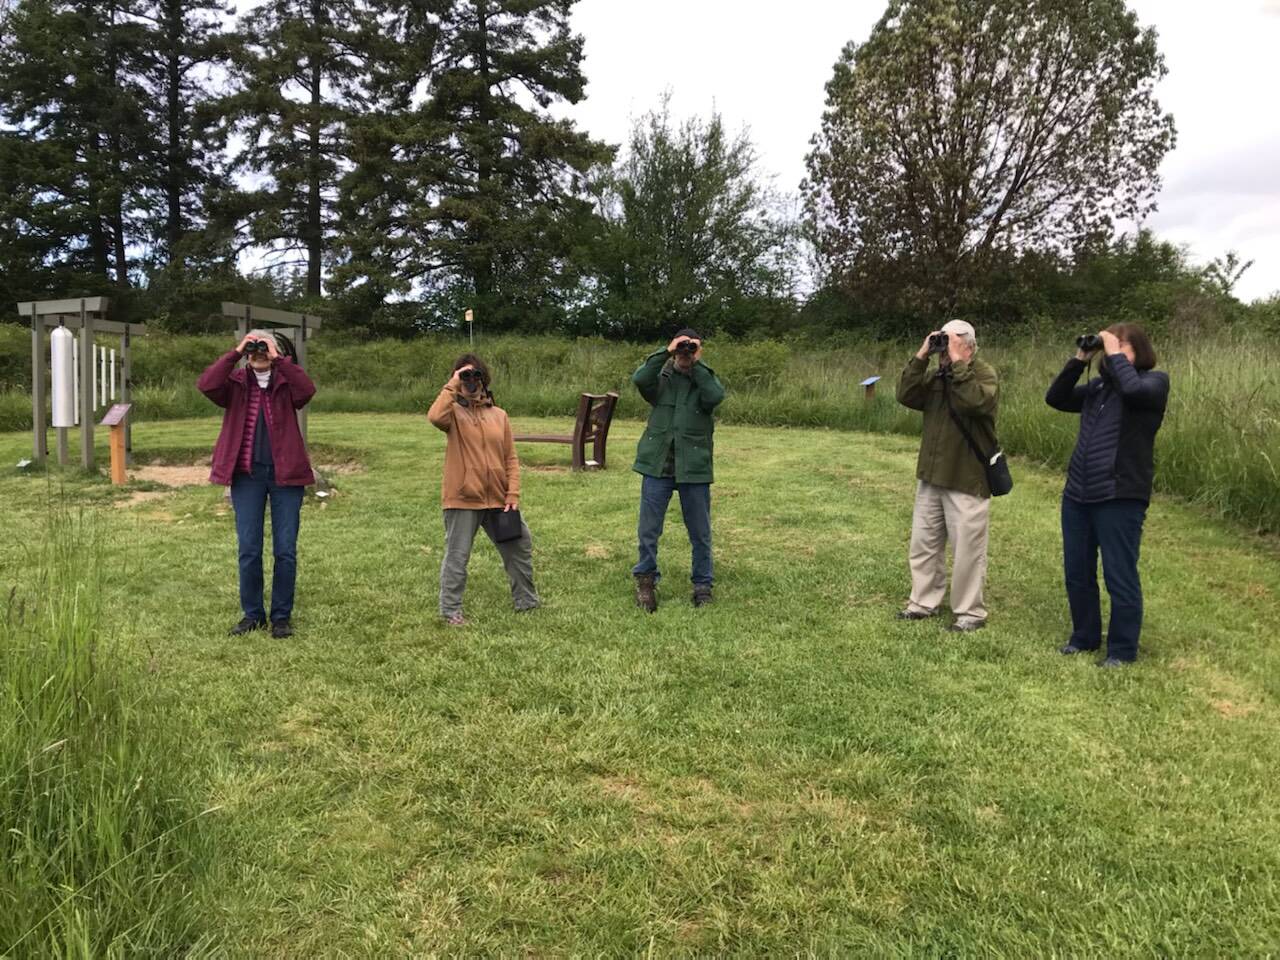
x,y
79,141
300,66
475,188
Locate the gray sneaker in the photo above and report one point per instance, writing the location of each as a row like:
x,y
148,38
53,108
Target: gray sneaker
x,y
701,594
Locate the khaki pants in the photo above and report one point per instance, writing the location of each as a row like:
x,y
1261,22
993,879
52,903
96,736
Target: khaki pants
x,y
943,515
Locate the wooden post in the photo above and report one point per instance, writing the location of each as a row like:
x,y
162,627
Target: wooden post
x,y
39,438
118,475
126,372
869,389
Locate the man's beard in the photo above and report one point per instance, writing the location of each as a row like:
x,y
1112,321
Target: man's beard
x,y
684,363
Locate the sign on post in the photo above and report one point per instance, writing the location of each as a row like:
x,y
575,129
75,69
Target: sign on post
x,y
115,419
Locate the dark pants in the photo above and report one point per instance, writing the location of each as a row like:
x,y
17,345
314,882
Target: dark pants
x,y
249,496
1113,527
695,505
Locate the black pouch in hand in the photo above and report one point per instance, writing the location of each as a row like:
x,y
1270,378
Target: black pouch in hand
x,y
504,525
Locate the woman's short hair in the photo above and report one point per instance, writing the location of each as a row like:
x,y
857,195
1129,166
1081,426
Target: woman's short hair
x,y
471,360
1144,354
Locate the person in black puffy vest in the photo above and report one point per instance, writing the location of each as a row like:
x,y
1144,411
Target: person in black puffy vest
x,y
1108,486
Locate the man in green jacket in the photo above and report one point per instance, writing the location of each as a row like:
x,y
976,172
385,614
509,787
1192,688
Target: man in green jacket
x,y
675,456
952,494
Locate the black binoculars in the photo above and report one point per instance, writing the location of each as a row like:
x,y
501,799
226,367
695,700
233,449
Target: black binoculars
x,y
938,342
256,346
688,347
1089,342
469,375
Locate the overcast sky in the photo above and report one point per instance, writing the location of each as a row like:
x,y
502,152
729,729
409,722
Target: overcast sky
x,y
766,71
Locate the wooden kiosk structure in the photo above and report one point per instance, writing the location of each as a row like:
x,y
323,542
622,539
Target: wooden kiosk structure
x,y
298,327
88,316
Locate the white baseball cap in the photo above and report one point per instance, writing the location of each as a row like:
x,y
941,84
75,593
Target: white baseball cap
x,y
961,328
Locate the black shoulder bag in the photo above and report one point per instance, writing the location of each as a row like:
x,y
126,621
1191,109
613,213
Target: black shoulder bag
x,y
996,466
503,525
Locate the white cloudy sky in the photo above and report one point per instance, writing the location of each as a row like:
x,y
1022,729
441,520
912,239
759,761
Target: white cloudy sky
x,y
763,66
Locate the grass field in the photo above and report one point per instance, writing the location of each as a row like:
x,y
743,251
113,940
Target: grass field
x,y
788,772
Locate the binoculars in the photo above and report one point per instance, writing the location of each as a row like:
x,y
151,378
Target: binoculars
x,y
687,347
938,342
1089,342
469,375
256,347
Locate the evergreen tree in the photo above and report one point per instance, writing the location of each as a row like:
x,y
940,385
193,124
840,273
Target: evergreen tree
x,y
475,190
300,66
78,140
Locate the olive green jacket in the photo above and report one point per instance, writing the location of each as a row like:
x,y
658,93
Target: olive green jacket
x,y
946,460
683,404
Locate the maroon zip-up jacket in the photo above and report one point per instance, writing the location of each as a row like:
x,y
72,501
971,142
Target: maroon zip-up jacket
x,y
290,390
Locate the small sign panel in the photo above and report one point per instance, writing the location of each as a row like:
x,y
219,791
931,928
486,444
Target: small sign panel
x,y
470,316
868,382
115,416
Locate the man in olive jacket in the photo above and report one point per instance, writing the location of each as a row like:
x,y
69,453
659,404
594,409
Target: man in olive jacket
x,y
675,456
952,494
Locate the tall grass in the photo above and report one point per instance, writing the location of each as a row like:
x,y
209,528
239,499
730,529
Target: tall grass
x,y
99,836
1220,445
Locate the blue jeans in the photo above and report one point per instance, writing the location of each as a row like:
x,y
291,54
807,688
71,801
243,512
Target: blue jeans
x,y
1114,528
695,505
249,496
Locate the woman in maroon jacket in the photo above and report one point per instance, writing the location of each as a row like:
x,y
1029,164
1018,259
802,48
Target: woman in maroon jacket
x,y
261,455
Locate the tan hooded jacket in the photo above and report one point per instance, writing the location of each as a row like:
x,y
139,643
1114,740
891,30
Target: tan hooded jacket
x,y
481,469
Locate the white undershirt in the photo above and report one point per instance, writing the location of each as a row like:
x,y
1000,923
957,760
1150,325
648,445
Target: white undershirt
x,y
263,378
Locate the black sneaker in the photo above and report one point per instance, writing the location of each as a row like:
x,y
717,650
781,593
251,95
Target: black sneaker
x,y
281,629
246,626
701,594
1111,663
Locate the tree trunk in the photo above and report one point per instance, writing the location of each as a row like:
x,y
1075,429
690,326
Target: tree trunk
x,y
482,258
114,197
93,196
314,227
173,91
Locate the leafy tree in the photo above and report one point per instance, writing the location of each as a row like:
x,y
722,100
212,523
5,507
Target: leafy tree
x,y
692,235
965,127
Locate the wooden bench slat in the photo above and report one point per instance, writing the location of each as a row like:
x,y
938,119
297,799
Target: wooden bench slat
x,y
536,438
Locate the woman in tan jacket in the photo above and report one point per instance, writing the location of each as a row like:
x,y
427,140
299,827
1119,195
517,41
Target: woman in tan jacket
x,y
481,481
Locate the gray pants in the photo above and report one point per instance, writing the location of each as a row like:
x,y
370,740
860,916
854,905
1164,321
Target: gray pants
x,y
460,528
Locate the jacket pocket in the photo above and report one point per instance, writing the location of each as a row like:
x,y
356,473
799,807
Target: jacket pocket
x,y
697,450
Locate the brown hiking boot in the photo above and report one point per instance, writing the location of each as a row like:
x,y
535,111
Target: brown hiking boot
x,y
646,592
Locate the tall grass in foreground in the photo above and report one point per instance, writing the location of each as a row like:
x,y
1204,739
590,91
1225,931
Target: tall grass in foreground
x,y
98,838
1220,445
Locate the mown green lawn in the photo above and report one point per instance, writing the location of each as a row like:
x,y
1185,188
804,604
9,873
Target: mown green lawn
x,y
787,772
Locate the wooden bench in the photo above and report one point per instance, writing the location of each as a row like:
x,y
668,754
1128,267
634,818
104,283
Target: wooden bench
x,y
595,413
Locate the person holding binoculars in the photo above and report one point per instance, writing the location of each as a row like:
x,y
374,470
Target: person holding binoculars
x,y
480,488
1108,488
261,455
953,495
675,455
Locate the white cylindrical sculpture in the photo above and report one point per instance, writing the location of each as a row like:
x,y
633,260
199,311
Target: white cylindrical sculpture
x,y
75,352
113,374
102,376
62,354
